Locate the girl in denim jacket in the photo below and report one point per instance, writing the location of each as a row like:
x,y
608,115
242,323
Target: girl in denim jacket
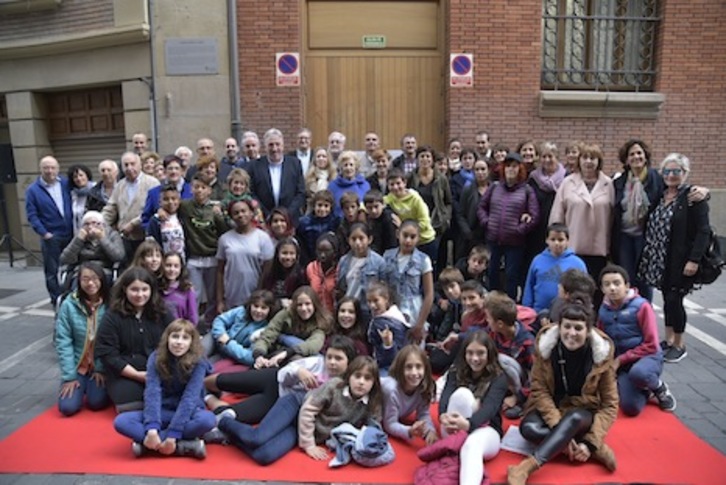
x,y
410,274
234,331
359,267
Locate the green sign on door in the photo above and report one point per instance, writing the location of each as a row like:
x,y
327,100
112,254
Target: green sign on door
x,y
374,42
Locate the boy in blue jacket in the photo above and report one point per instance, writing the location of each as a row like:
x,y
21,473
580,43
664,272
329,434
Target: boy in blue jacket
x,y
544,273
629,320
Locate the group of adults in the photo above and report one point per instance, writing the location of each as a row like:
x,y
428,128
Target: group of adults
x,y
647,219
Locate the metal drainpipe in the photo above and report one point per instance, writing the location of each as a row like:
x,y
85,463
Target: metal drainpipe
x,y
234,69
152,85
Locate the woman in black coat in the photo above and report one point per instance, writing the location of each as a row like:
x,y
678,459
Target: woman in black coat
x,y
676,237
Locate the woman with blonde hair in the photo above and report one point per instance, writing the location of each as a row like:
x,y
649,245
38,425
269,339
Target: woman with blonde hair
x,y
348,180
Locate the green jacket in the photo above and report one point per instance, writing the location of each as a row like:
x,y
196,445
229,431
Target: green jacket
x,y
281,324
202,227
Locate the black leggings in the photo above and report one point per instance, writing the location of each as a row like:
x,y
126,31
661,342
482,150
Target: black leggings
x,y
551,442
673,310
261,387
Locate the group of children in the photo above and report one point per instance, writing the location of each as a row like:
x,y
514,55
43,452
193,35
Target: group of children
x,y
354,338
342,318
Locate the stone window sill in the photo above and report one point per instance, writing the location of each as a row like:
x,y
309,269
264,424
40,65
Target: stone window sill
x,y
593,104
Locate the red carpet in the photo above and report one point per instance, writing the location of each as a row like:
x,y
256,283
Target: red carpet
x,y
653,448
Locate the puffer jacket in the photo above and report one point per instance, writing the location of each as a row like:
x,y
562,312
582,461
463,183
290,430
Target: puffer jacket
x,y
240,328
500,211
442,462
71,330
599,392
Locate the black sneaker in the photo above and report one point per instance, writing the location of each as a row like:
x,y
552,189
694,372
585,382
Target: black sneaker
x,y
193,448
138,449
675,354
215,436
665,346
666,400
515,412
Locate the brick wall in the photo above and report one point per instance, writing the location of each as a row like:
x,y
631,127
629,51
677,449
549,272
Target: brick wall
x,y
71,16
505,38
265,28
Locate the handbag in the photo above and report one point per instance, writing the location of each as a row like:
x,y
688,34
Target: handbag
x,y
712,262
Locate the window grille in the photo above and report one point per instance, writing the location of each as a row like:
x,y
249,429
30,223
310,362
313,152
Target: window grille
x,y
600,45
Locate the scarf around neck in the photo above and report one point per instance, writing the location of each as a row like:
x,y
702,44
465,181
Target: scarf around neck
x,y
549,183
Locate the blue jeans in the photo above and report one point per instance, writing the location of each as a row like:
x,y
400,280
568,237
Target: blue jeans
x,y
52,249
630,249
513,259
275,436
289,340
635,384
131,424
96,397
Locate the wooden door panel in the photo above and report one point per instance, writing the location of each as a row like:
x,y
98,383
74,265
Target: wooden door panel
x,y
388,95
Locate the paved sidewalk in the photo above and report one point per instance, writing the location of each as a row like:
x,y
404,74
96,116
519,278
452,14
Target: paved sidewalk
x,y
29,372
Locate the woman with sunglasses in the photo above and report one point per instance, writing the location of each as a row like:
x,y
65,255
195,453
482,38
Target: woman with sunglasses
x,y
676,237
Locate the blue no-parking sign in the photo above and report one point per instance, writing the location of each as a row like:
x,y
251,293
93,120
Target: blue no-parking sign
x,y
287,68
461,70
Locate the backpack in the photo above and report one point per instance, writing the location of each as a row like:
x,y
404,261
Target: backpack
x,y
709,269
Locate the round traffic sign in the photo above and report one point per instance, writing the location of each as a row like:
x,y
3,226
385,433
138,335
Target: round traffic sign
x,y
287,64
461,65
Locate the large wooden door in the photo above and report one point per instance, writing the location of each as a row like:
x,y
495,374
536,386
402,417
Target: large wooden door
x,y
391,91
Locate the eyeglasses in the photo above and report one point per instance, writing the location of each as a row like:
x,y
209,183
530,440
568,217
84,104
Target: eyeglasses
x,y
672,171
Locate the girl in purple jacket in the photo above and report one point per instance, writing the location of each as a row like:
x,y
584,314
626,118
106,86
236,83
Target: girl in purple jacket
x,y
176,288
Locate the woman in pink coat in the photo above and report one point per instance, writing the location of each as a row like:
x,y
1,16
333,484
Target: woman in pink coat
x,y
584,202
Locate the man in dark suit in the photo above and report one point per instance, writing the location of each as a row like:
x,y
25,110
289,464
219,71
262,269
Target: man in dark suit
x,y
276,179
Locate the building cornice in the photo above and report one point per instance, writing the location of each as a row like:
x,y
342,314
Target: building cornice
x,y
63,44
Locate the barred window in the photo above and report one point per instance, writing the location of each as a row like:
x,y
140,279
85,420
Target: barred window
x,y
600,45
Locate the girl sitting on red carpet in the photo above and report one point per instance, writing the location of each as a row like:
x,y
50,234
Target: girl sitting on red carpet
x,y
174,416
354,399
472,401
75,336
409,387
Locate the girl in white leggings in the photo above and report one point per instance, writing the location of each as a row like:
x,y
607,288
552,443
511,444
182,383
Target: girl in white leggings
x,y
471,401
